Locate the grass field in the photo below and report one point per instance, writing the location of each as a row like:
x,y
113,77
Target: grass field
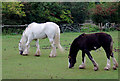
x,y
15,66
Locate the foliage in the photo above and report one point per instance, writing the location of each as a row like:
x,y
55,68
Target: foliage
x,y
66,16
109,29
60,12
11,11
106,12
27,12
13,8
90,28
95,28
78,10
89,9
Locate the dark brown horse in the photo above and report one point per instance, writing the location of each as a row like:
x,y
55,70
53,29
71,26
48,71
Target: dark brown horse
x,y
88,42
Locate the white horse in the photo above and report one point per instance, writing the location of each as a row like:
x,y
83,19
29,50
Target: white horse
x,y
36,31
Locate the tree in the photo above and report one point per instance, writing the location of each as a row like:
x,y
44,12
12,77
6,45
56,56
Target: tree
x,y
13,8
27,12
46,11
105,12
11,11
78,10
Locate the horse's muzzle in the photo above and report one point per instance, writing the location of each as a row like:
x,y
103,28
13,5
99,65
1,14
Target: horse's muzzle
x,y
21,52
71,66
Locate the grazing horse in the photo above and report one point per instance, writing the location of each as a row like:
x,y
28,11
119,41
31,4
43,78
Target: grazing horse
x,y
88,42
36,31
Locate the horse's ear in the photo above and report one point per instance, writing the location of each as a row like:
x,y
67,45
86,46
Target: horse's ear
x,y
69,56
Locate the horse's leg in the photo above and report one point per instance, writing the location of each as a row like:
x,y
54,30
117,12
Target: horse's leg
x,y
108,53
108,64
27,45
82,66
114,61
26,49
54,48
38,48
93,61
53,52
113,58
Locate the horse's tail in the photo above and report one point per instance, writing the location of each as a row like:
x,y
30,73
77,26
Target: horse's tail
x,y
57,39
112,55
111,46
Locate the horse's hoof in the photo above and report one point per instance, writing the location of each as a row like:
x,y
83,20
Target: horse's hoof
x,y
81,67
53,56
50,56
71,67
114,68
37,55
25,54
95,68
106,68
116,65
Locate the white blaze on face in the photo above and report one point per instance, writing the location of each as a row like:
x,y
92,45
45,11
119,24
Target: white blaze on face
x,y
68,63
95,47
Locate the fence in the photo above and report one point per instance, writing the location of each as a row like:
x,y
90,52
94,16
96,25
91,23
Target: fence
x,y
14,25
13,29
18,29
71,27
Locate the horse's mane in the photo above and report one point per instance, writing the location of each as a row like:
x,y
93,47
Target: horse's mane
x,y
29,26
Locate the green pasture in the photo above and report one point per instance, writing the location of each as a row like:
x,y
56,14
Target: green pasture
x,y
15,66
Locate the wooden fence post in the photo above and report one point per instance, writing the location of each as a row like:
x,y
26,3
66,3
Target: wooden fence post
x,y
100,26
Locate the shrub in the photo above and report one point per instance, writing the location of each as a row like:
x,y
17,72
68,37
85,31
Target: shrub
x,y
89,28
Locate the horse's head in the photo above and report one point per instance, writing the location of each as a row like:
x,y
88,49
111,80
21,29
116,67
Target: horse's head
x,y
71,61
21,48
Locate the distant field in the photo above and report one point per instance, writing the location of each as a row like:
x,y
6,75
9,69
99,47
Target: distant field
x,y
15,66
